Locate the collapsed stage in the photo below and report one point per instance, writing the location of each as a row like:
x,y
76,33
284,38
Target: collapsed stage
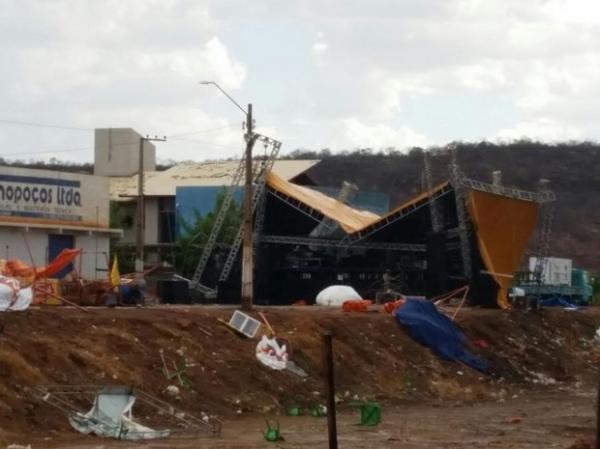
x,y
306,241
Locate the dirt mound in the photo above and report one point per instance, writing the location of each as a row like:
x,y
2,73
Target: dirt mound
x,y
375,359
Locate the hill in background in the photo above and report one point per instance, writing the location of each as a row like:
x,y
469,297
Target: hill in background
x,y
572,168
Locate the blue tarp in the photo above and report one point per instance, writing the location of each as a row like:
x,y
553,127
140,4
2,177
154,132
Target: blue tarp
x,y
557,301
425,324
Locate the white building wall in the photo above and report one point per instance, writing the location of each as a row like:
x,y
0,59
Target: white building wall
x,y
14,243
14,246
117,152
45,196
557,271
94,260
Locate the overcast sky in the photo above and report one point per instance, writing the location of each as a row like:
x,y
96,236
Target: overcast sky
x,y
329,73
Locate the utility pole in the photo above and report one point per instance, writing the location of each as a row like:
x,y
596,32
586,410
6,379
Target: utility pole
x,y
247,247
141,225
247,250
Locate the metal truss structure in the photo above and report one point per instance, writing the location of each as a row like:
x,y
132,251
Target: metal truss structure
x,y
261,168
331,243
543,196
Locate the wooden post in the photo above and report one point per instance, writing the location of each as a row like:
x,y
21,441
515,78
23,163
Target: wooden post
x,y
329,388
598,415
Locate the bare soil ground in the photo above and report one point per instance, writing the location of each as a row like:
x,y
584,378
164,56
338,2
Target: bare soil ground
x,y
538,394
549,420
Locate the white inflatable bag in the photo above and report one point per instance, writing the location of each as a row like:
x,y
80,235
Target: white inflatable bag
x,y
335,295
13,298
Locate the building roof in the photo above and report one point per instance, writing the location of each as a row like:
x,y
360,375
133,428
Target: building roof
x,y
349,219
164,183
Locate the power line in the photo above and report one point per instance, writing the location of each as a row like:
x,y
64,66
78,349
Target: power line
x,y
191,133
75,128
43,125
27,153
69,150
212,144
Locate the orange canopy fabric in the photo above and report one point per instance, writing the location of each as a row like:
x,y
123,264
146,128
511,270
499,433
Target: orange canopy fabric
x,y
65,257
503,227
18,268
414,200
350,219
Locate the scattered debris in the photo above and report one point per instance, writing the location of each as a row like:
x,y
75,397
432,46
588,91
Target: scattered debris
x,y
356,305
13,298
480,343
318,410
179,369
294,410
597,336
269,327
370,413
295,369
111,414
557,301
390,307
273,434
514,420
172,390
243,324
271,354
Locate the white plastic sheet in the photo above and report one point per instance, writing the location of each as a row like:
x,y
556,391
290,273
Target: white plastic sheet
x,y
111,417
13,298
271,354
335,295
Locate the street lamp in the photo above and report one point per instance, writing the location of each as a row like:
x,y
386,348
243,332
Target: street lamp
x,y
247,259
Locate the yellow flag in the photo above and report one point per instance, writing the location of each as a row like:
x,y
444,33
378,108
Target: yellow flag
x,y
115,277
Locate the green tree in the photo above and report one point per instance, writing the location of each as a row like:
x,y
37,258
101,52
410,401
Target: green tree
x,y
192,239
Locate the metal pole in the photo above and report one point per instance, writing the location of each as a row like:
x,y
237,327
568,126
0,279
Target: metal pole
x,y
598,415
247,259
329,388
139,229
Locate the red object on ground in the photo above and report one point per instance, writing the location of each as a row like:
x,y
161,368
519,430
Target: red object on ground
x,y
299,302
356,305
481,343
389,307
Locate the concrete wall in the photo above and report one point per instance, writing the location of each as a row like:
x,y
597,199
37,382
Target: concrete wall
x,y
13,246
93,262
94,258
44,196
116,152
151,230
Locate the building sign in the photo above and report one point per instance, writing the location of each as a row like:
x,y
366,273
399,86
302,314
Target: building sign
x,y
41,197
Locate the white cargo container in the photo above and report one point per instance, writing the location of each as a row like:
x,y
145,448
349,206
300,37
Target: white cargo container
x,y
556,271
